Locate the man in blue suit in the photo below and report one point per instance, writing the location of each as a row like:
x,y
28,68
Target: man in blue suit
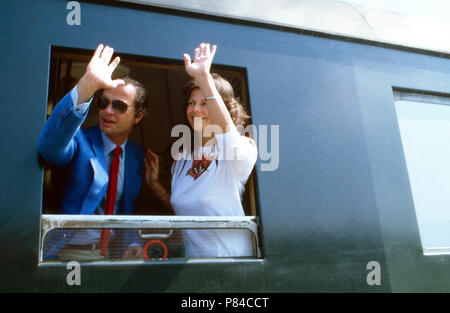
x,y
105,168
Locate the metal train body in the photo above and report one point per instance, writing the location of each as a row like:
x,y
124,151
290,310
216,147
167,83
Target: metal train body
x,y
339,198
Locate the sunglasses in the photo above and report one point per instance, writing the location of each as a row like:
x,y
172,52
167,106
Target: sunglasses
x,y
118,105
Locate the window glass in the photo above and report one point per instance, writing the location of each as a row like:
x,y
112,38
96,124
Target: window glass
x,y
424,123
65,245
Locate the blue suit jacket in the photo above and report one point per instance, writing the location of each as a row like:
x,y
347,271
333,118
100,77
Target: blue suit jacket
x,y
63,144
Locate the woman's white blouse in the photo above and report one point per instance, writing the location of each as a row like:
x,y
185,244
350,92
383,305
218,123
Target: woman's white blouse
x,y
213,186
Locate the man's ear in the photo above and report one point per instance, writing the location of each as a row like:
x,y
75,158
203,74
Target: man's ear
x,y
138,118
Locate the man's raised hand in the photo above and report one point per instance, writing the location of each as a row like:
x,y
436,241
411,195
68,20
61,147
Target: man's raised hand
x,y
98,73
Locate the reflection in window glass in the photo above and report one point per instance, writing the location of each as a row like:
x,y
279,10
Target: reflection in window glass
x,y
65,245
425,132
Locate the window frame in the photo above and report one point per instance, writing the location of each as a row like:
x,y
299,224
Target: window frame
x,y
251,222
51,222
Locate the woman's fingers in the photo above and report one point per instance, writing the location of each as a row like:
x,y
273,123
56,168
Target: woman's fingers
x,y
203,56
204,50
187,60
152,159
148,159
156,162
151,172
197,53
213,51
151,154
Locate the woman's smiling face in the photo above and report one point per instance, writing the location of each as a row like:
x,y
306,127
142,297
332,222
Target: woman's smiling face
x,y
197,111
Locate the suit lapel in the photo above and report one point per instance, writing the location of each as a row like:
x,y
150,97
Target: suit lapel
x,y
100,168
97,146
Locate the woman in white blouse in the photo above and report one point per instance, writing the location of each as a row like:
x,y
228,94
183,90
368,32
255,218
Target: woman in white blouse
x,y
209,180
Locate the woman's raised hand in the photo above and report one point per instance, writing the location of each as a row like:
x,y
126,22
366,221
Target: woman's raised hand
x,y
203,57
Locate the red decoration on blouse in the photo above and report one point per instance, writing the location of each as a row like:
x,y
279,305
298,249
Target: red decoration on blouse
x,y
199,167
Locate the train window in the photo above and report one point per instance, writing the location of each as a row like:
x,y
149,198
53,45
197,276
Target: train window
x,y
424,122
164,80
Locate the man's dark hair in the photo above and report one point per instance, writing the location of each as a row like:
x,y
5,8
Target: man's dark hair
x,y
141,95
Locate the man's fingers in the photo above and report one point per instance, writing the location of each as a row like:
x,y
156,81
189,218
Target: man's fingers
x,y
106,54
114,64
114,83
117,82
98,51
109,55
103,52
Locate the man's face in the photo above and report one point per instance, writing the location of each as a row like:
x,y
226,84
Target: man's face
x,y
117,126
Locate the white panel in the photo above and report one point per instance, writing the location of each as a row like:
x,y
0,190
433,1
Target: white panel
x,y
415,24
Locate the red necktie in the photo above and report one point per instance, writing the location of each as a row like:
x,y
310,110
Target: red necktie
x,y
110,197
